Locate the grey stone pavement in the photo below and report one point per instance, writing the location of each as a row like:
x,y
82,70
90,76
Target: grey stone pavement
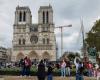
x,y
35,78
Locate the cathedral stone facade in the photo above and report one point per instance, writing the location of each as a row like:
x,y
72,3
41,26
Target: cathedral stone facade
x,y
37,41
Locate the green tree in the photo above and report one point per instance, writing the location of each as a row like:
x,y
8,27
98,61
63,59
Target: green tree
x,y
93,36
77,54
71,56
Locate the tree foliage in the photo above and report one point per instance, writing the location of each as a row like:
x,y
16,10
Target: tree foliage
x,y
93,36
70,56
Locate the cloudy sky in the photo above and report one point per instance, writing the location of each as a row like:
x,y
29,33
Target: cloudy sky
x,y
65,12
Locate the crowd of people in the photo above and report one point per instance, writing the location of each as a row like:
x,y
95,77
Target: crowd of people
x,y
65,68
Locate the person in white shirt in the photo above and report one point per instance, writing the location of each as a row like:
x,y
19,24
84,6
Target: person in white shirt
x,y
76,62
79,69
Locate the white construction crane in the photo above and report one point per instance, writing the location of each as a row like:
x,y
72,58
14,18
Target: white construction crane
x,y
61,28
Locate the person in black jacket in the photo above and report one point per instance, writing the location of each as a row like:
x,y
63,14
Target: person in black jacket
x,y
79,74
41,71
50,72
21,63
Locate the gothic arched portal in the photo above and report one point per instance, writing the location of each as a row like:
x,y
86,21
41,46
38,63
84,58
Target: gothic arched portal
x,y
33,55
46,56
20,56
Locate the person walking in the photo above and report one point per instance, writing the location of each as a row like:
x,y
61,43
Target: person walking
x,y
41,73
50,72
63,68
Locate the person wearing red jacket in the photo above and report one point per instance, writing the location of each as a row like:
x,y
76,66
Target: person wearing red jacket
x,y
89,66
27,66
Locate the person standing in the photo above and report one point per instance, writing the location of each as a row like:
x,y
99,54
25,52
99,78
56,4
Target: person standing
x,y
76,62
96,69
90,66
98,73
41,71
21,63
27,65
50,72
63,68
79,69
68,67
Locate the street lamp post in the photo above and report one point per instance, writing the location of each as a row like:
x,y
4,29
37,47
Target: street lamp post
x,y
61,28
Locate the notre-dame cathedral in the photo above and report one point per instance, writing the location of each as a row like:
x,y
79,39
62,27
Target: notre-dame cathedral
x,y
37,41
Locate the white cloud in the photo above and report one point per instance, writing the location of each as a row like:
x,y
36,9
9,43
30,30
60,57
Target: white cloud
x,y
65,12
70,39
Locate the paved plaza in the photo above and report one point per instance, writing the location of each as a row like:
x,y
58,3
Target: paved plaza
x,y
35,78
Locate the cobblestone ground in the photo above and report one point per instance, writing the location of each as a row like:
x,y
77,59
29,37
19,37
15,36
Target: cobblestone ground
x,y
35,78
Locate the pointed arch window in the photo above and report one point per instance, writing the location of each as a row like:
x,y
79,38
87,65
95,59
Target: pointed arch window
x,y
20,16
23,41
48,41
19,41
24,16
47,17
43,40
43,17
